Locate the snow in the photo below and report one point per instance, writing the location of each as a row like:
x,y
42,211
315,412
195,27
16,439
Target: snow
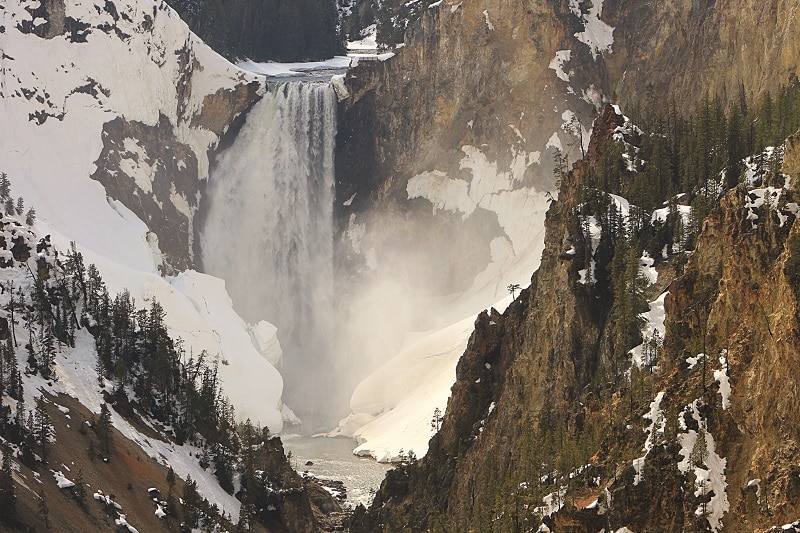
x,y
520,210
489,24
660,215
402,395
77,378
49,163
367,42
769,197
654,430
160,511
596,34
99,496
122,521
554,142
721,376
62,481
647,270
349,201
557,64
283,70
692,361
653,328
595,233
551,503
392,408
709,477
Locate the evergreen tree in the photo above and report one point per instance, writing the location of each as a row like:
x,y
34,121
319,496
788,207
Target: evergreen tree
x,y
104,428
8,498
11,306
41,428
191,502
43,512
5,187
80,488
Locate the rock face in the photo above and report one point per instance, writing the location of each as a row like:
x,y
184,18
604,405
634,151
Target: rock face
x,y
455,136
541,389
501,75
158,116
684,49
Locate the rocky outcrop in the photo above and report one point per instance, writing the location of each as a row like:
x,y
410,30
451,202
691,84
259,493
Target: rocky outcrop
x,y
163,187
470,103
543,389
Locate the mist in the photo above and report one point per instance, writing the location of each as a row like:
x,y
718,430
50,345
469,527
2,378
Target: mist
x,y
343,304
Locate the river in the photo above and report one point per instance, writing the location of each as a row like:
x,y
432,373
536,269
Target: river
x,y
333,459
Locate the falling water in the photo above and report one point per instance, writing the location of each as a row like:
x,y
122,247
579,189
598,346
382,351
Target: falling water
x,y
268,231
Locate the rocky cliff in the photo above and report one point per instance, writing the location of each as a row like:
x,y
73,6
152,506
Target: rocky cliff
x,y
144,127
475,102
550,423
507,76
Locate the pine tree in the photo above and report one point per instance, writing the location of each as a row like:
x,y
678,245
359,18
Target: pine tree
x,y
191,501
5,186
80,489
30,217
8,498
42,511
12,306
171,478
104,428
42,429
20,206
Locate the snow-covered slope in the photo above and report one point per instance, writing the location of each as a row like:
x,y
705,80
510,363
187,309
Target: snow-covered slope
x,y
394,407
67,77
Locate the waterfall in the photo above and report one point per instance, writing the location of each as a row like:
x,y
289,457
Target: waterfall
x,y
268,231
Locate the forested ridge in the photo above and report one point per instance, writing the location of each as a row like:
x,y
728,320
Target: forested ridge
x,y
265,30
142,372
549,431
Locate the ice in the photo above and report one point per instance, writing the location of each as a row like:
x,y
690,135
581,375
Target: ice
x,y
294,69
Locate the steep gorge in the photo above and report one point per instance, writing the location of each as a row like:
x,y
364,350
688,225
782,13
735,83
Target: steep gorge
x,y
540,390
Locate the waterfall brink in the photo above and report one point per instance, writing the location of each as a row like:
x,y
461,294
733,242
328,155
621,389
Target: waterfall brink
x,y
268,232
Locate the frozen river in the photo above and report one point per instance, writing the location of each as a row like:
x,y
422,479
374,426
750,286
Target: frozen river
x,y
333,459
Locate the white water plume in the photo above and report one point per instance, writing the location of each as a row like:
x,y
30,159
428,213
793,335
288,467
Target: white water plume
x,y
268,231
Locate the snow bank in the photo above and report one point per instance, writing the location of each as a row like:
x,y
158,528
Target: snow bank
x,y
62,481
656,429
653,330
596,34
721,377
557,64
294,69
392,408
400,397
709,475
49,166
